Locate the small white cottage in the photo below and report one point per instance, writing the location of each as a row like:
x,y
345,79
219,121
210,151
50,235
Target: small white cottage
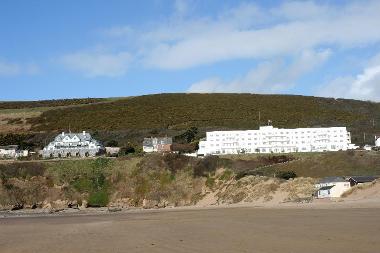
x,y
12,151
332,187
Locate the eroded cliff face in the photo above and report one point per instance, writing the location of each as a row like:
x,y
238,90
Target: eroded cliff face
x,y
120,187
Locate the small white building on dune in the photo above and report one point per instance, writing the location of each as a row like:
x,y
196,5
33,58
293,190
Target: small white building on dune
x,y
332,187
269,139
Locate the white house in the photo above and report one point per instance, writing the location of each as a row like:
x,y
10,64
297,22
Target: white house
x,y
72,144
112,150
269,139
377,141
157,144
12,151
332,187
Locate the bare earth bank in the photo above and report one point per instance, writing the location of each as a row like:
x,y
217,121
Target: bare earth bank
x,y
205,230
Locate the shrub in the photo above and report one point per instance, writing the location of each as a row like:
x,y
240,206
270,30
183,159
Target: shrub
x,y
188,136
248,173
227,174
210,182
112,143
286,174
98,199
206,166
238,197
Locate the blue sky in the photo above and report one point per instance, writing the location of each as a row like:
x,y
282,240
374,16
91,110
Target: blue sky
x,y
68,49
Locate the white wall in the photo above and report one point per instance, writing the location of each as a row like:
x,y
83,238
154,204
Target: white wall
x,y
275,140
335,192
377,143
8,152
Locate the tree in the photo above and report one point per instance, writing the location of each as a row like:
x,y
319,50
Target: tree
x,y
112,143
188,136
286,174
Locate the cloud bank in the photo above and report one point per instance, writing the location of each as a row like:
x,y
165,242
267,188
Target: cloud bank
x,y
364,86
268,77
93,64
306,32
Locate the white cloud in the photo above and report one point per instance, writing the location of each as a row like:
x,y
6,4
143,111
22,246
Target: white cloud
x,y
93,64
9,69
364,86
181,7
12,69
289,29
268,77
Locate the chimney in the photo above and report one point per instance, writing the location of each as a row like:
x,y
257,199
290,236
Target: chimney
x,y
63,133
84,132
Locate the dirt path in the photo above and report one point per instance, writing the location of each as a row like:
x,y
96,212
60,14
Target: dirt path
x,y
207,230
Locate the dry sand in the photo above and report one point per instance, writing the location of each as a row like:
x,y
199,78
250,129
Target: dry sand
x,y
204,230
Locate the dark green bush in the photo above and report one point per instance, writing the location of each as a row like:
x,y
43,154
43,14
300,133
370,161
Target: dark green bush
x,y
286,174
210,182
98,199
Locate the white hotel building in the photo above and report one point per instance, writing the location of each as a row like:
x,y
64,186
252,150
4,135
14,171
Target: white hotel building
x,y
269,139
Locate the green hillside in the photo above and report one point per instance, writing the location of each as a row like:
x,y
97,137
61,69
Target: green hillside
x,y
233,111
170,114
48,103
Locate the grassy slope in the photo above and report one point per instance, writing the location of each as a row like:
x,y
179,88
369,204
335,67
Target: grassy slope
x,y
331,164
48,103
212,111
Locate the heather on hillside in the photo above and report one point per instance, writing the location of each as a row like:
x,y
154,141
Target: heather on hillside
x,y
48,103
175,112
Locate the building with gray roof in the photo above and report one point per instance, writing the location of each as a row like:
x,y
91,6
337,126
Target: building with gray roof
x,y
157,144
72,144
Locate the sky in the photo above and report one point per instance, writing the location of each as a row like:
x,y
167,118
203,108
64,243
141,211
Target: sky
x,y
114,48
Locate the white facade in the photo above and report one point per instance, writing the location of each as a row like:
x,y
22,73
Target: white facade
x,y
72,144
332,189
157,144
12,151
275,140
377,142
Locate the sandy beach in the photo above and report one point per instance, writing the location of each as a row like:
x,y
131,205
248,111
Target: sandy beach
x,y
241,229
